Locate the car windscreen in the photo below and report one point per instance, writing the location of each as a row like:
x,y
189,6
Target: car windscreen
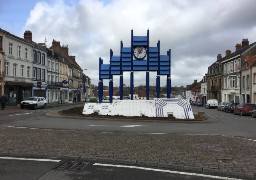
x,y
32,99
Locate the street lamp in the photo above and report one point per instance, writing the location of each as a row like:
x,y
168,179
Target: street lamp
x,y
84,89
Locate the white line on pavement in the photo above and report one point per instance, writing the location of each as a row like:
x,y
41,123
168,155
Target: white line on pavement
x,y
157,133
94,125
131,126
165,171
30,159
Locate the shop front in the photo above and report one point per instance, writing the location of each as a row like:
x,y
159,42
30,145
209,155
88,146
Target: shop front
x,y
17,92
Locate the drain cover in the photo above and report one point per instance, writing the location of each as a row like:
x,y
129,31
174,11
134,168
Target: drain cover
x,y
73,166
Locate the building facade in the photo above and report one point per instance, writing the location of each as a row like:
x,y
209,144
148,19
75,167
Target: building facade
x,y
18,63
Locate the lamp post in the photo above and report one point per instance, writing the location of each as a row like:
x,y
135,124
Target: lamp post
x,y
84,89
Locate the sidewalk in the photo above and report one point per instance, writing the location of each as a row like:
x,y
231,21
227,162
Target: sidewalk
x,y
16,109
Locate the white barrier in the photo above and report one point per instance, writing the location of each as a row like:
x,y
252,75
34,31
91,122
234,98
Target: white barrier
x,y
179,108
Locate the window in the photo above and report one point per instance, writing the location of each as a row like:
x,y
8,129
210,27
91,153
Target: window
x,y
49,78
225,83
28,71
39,57
254,78
60,68
243,82
19,47
6,69
49,65
57,67
53,78
10,48
38,74
53,66
14,70
26,53
56,78
34,73
232,82
35,57
43,74
43,59
247,82
22,70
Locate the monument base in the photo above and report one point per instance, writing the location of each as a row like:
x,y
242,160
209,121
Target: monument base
x,y
159,107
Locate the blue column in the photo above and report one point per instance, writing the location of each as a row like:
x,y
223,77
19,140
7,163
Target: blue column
x,y
157,86
131,85
168,86
147,85
100,90
121,87
110,90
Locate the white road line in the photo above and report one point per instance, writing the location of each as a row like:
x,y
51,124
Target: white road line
x,y
20,127
157,133
94,125
165,171
10,126
17,114
30,159
128,126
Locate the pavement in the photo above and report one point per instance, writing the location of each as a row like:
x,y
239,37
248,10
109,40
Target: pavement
x,y
208,154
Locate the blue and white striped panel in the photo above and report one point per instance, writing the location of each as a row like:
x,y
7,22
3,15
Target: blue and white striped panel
x,y
186,107
160,103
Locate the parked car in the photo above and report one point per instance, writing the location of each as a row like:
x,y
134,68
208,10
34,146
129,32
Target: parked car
x,y
221,106
211,103
229,108
244,109
33,103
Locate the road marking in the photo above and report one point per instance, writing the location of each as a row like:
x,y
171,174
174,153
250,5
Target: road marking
x,y
17,114
20,127
157,133
95,125
128,126
165,171
30,159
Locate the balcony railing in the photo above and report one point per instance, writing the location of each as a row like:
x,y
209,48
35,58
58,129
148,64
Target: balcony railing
x,y
55,84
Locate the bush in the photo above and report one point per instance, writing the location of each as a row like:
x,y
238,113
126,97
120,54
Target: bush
x,y
93,100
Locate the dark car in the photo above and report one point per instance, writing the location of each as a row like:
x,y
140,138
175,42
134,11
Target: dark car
x,y
229,108
244,109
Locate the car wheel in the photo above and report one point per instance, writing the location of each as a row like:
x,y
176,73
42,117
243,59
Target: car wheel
x,y
44,106
21,107
35,106
241,113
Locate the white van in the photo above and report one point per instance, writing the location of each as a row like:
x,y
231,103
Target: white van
x,y
211,103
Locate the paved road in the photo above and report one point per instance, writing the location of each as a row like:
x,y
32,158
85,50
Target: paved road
x,y
175,146
219,123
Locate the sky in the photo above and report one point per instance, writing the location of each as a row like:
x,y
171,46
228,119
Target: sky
x,y
196,31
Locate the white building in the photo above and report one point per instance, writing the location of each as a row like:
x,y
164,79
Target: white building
x,y
18,67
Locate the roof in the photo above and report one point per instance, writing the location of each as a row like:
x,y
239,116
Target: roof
x,y
234,54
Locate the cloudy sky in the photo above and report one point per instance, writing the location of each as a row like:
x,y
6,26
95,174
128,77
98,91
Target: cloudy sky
x,y
195,30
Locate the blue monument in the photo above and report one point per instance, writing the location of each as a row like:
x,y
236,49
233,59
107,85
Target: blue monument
x,y
138,57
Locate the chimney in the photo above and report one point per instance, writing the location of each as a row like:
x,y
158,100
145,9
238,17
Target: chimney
x,y
228,52
219,57
65,49
245,43
238,47
56,46
28,36
195,81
